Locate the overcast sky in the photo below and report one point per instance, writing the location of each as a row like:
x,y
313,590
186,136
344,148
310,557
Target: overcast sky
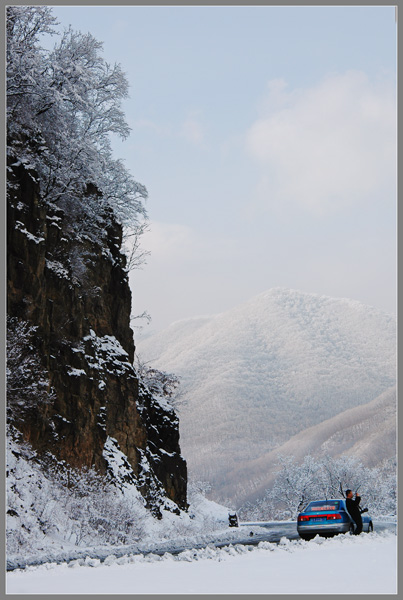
x,y
266,137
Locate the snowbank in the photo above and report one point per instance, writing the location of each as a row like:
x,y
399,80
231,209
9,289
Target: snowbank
x,y
46,522
341,565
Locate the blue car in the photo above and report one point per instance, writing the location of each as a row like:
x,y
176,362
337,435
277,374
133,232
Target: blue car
x,y
329,517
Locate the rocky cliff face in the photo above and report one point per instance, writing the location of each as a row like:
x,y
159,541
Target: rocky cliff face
x,y
72,286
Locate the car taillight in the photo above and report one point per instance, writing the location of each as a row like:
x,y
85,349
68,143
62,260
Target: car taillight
x,y
322,516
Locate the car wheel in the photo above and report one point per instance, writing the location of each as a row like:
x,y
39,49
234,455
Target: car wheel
x,y
370,527
306,537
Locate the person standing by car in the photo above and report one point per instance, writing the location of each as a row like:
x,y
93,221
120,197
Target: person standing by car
x,y
353,508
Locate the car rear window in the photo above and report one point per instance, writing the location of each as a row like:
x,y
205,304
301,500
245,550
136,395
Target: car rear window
x,y
318,506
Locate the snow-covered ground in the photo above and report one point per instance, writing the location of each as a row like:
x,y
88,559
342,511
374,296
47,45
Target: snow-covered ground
x,y
342,565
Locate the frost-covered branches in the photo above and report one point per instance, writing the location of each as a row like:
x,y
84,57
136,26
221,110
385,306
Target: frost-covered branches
x,y
136,256
90,88
95,507
52,507
27,381
63,105
340,474
159,383
24,65
49,500
296,484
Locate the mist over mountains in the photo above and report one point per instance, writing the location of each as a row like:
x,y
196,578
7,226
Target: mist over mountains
x,y
257,375
366,432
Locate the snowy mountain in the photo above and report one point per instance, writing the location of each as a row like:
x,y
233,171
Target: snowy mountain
x,y
266,370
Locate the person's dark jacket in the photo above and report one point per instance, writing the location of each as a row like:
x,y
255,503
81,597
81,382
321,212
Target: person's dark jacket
x,y
354,508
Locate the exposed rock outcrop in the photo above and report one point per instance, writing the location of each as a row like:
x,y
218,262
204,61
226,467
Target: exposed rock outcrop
x,y
73,287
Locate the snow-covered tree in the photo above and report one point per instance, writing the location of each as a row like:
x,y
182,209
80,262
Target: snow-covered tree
x,y
297,483
62,107
385,487
338,474
28,385
136,256
160,383
25,68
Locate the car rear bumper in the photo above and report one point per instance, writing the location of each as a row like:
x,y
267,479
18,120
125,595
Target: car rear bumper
x,y
320,528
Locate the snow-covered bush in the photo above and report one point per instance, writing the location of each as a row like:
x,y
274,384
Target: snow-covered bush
x,y
51,507
207,513
51,504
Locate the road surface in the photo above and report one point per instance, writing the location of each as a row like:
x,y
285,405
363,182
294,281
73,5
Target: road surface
x,y
275,531
248,534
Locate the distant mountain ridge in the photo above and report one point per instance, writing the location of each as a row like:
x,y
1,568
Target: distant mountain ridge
x,y
262,372
366,432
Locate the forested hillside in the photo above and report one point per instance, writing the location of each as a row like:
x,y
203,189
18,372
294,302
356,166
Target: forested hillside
x,y
365,434
262,372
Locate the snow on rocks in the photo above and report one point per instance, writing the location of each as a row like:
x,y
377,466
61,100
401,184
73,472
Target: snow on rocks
x,y
34,238
57,268
107,354
118,463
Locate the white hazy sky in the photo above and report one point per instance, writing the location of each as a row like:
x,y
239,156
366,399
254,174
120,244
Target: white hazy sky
x,y
266,137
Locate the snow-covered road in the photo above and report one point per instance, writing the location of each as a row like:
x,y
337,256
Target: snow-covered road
x,y
341,565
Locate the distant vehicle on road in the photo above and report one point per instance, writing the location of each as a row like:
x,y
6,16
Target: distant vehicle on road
x,y
233,519
329,517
